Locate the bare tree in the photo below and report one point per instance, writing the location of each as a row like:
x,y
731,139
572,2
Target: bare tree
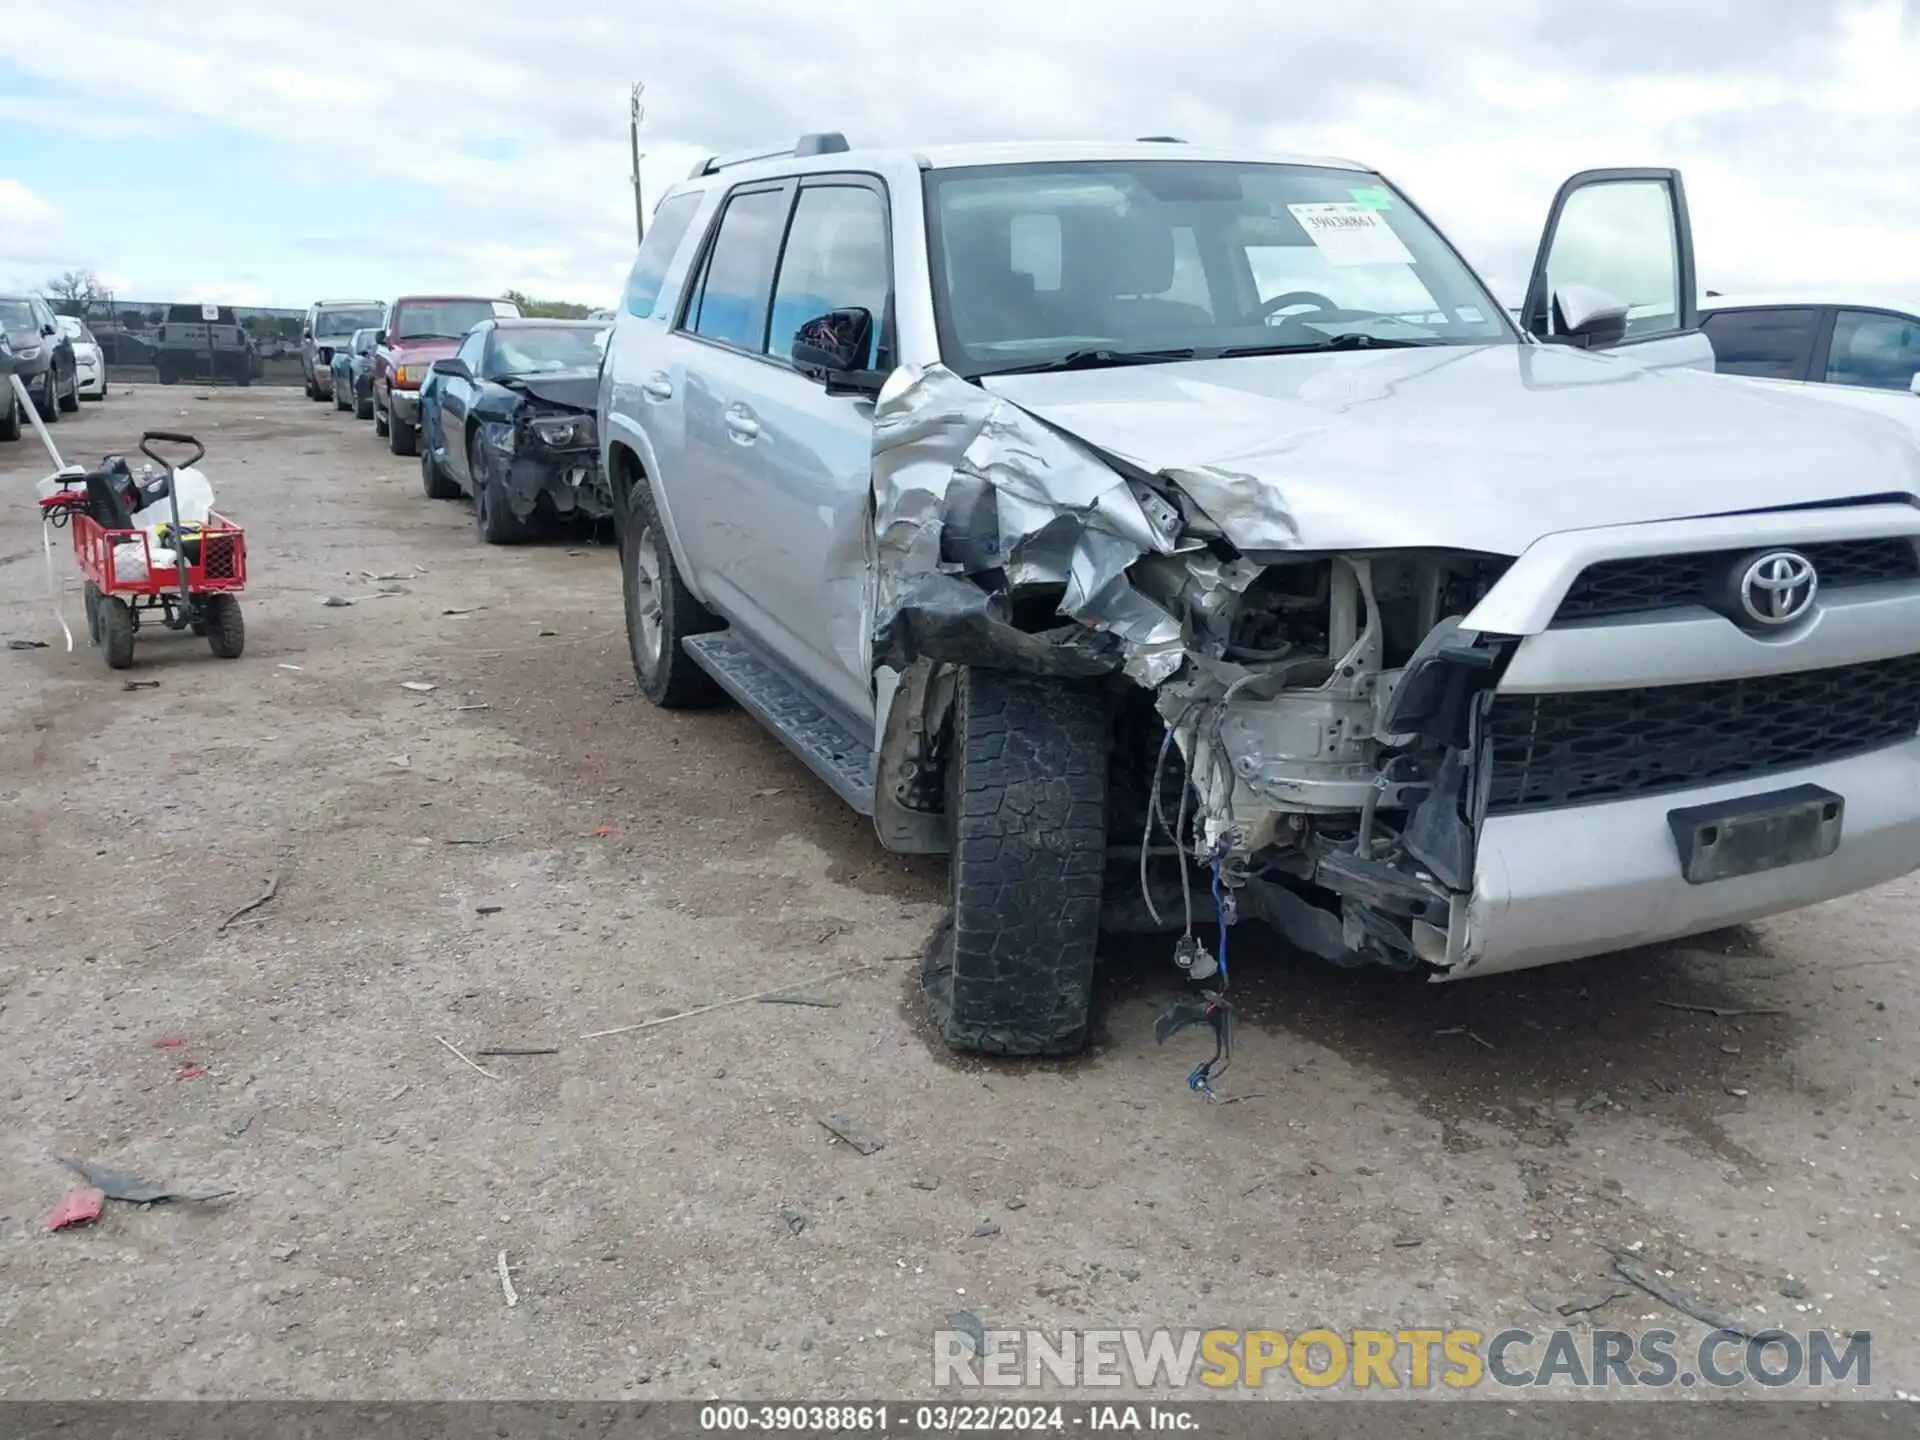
x,y
74,291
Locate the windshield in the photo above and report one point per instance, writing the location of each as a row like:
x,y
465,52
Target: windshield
x,y
439,319
1036,263
532,350
331,324
16,318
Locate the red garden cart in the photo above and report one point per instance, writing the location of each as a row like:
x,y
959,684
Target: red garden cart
x,y
189,575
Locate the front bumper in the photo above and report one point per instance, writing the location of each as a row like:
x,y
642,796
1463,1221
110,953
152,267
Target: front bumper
x,y
404,405
1553,884
91,377
571,482
1563,884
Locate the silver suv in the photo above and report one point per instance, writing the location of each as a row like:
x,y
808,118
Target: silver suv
x,y
1174,537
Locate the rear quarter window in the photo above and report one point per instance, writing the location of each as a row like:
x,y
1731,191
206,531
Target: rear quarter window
x,y
1773,344
670,224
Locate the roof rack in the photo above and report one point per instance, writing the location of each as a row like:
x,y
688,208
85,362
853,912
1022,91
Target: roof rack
x,y
1161,140
827,142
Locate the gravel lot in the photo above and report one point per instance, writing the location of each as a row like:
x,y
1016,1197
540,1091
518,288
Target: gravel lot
x,y
529,852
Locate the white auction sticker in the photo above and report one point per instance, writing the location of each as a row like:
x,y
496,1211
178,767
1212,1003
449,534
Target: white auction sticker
x,y
1349,234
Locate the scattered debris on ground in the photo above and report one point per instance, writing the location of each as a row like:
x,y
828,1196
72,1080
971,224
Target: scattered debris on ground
x,y
858,1138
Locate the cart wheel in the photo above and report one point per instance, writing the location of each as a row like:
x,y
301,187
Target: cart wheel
x,y
116,631
226,630
91,596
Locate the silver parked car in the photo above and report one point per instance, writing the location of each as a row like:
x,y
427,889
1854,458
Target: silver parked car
x,y
329,327
1175,537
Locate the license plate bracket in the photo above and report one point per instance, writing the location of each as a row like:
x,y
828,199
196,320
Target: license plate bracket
x,y
1755,833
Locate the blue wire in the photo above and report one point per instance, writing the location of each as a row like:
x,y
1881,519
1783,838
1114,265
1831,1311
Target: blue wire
x,y
1220,909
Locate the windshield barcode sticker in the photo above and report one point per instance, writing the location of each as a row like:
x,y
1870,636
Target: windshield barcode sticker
x,y
1350,234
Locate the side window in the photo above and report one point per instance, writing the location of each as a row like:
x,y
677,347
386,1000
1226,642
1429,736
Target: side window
x,y
1616,239
1771,344
735,288
473,348
669,228
835,259
1881,352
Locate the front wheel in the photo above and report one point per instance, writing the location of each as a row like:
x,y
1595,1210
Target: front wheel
x,y
226,630
72,401
1027,826
363,408
10,419
340,401
661,611
116,631
49,406
402,438
379,422
493,521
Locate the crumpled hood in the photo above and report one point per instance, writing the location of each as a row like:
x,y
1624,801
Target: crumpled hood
x,y
575,389
1483,449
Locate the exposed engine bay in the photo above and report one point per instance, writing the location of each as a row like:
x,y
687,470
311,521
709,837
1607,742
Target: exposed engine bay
x,y
1302,739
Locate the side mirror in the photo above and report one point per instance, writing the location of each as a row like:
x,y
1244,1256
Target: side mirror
x,y
833,343
306,334
379,337
50,330
1589,316
833,348
453,365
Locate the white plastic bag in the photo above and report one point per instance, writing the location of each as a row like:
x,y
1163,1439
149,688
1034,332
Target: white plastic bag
x,y
195,494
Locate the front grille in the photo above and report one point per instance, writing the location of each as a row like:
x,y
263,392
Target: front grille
x,y
1664,582
1582,748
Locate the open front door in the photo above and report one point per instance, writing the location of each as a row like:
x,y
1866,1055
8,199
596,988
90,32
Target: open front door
x,y
1615,270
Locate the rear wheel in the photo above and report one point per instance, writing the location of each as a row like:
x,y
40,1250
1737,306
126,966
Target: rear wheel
x,y
661,611
433,479
340,401
116,631
363,407
225,629
1027,819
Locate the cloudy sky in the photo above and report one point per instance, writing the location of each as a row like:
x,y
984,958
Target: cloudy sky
x,y
271,153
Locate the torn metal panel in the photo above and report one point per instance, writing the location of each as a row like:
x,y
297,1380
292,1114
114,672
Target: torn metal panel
x,y
975,501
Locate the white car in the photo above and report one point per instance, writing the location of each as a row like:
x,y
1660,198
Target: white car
x,y
1864,341
89,361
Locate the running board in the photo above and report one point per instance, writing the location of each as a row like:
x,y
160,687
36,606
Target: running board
x,y
830,750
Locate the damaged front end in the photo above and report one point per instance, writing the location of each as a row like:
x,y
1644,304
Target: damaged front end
x,y
1302,731
548,450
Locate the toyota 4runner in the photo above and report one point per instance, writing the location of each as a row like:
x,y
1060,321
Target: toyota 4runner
x,y
1173,537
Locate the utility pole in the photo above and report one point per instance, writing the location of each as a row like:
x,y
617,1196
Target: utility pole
x,y
638,114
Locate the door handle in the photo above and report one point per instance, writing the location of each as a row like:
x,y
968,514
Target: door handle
x,y
657,388
742,426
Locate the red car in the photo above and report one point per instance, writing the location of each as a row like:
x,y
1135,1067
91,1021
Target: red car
x,y
420,330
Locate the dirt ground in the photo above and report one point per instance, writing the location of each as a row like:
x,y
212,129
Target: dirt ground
x,y
529,852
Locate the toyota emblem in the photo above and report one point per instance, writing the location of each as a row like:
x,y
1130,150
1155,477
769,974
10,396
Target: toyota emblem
x,y
1778,588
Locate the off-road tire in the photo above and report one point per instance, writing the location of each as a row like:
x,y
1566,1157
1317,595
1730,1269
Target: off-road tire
x,y
437,484
226,628
1027,820
669,679
72,402
116,632
402,438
